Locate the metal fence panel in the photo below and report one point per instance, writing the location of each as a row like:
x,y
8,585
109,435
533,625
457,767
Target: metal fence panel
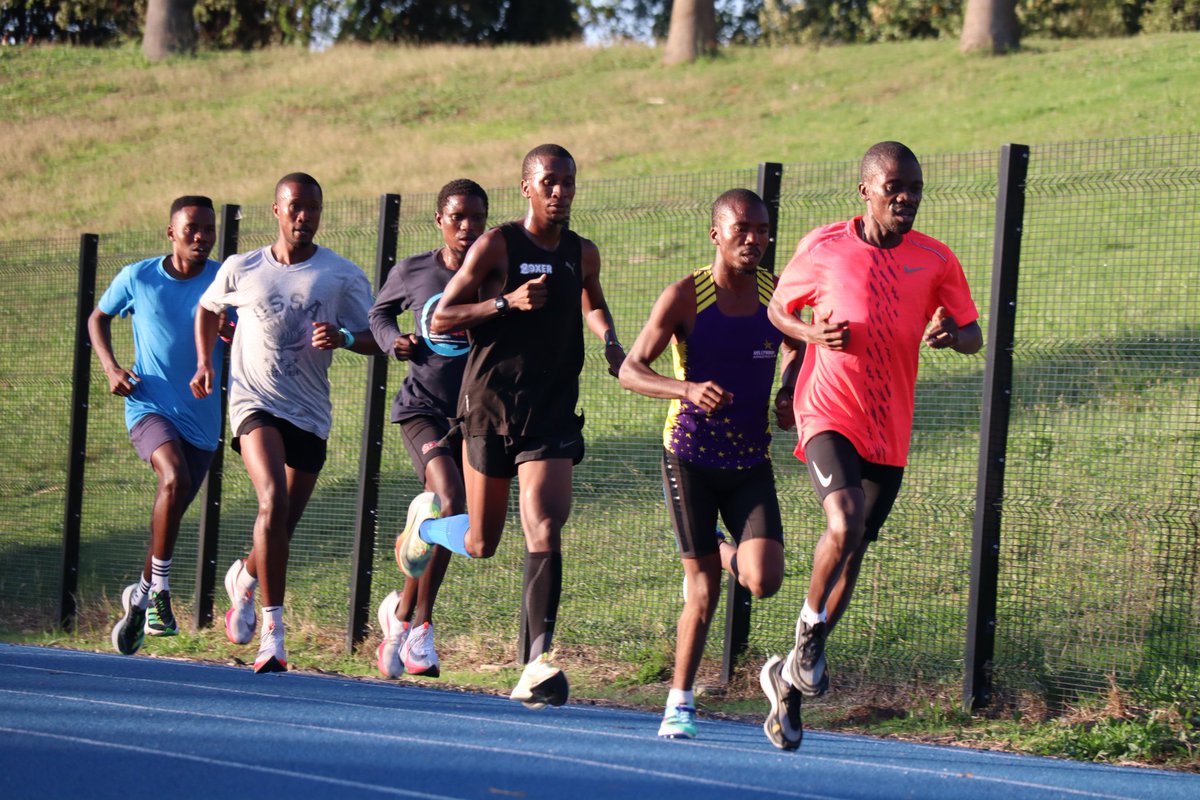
x,y
1100,560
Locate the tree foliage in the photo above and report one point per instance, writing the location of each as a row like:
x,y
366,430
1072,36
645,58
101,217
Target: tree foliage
x,y
459,21
1172,15
87,22
256,23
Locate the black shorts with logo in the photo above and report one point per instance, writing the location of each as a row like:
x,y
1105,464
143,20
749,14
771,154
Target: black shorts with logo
x,y
745,499
426,438
498,456
834,463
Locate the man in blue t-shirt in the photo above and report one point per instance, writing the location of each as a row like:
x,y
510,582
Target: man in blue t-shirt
x,y
170,429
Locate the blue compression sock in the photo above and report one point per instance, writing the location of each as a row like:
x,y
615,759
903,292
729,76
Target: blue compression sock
x,y
449,532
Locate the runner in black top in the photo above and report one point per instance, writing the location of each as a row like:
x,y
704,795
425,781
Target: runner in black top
x,y
502,359
424,407
519,295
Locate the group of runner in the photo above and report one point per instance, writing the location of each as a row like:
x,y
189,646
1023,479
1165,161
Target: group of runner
x,y
494,359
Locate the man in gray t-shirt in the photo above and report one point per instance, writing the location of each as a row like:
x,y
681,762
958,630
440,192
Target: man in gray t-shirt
x,y
296,303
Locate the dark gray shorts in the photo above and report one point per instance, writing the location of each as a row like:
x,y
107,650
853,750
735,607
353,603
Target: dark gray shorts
x,y
154,430
427,438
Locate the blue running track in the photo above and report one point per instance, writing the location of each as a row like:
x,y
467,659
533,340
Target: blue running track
x,y
88,725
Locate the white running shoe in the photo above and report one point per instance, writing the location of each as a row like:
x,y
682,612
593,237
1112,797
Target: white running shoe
x,y
541,684
418,653
271,656
394,633
413,552
240,621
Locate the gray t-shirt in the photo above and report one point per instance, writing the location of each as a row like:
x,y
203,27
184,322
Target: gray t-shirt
x,y
274,367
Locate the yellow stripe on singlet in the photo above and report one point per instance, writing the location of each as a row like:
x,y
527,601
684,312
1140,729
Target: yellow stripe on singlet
x,y
706,290
706,295
766,286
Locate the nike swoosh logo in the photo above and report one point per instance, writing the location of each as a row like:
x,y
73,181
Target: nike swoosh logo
x,y
565,443
913,269
823,478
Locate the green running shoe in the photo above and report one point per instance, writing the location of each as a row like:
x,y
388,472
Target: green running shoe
x,y
679,723
160,619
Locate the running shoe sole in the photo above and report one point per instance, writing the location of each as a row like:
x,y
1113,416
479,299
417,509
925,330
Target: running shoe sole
x,y
412,553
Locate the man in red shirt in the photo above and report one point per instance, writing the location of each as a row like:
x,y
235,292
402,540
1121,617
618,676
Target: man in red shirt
x,y
876,289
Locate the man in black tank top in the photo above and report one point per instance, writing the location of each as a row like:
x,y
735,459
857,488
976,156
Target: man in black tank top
x,y
521,294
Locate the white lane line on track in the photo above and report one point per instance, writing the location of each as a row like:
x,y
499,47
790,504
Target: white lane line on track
x,y
220,762
427,741
640,738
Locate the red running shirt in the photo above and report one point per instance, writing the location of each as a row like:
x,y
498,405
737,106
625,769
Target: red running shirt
x,y
888,295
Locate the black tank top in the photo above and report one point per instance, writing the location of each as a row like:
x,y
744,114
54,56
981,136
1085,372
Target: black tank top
x,y
522,374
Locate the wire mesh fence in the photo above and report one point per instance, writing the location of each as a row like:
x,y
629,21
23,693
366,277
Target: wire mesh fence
x,y
1100,557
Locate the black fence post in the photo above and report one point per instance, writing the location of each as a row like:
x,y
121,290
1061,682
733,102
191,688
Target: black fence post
x,y
371,453
85,300
993,427
770,189
737,597
210,506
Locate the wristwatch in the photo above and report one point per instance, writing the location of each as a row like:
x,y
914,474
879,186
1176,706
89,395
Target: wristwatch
x,y
501,305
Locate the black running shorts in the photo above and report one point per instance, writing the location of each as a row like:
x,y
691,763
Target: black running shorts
x,y
426,438
499,456
744,498
834,463
302,450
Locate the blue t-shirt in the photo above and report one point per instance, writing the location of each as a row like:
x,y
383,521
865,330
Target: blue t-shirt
x,y
164,343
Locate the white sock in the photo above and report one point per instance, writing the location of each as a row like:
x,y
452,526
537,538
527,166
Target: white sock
x,y
811,617
271,615
140,596
680,697
160,575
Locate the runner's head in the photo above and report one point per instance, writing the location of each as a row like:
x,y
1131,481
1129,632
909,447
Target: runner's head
x,y
192,230
741,230
298,203
462,212
548,180
891,184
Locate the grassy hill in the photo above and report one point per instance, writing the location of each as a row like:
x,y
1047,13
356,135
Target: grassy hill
x,y
100,140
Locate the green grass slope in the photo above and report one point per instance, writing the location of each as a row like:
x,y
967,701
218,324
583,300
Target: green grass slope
x,y
100,140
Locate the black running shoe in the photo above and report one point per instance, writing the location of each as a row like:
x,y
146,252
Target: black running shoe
x,y
782,724
808,671
127,634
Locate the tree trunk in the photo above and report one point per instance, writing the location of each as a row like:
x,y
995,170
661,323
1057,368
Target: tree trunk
x,y
693,31
170,28
990,25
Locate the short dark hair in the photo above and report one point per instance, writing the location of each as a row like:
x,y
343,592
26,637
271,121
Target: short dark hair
x,y
188,200
461,186
884,153
301,178
731,198
542,151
